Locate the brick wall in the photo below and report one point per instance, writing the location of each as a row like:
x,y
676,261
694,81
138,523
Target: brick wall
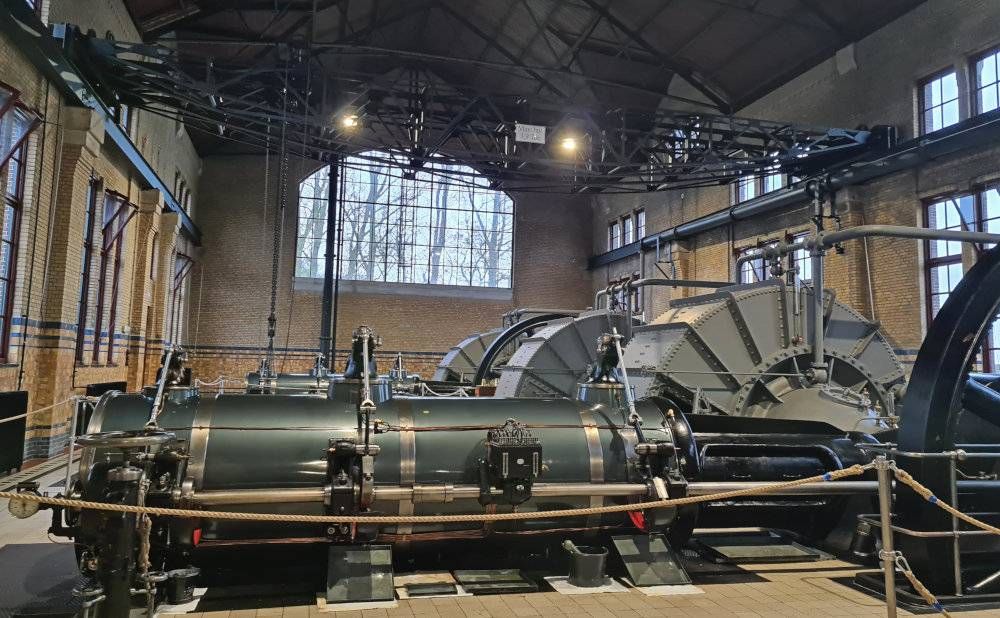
x,y
880,90
164,142
62,156
230,287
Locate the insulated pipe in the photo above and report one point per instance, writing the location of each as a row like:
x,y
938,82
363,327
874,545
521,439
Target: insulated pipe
x,y
975,133
768,203
830,239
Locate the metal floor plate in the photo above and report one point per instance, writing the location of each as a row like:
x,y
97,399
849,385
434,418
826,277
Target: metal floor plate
x,y
650,561
37,579
359,573
494,581
758,548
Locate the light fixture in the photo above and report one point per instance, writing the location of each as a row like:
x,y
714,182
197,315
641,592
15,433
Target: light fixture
x,y
349,121
569,144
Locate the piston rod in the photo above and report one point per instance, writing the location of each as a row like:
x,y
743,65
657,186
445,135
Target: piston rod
x,y
447,493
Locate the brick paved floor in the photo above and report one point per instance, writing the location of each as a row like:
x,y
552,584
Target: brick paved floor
x,y
805,589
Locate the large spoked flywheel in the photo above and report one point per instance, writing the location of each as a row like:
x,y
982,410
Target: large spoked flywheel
x,y
747,350
948,406
461,362
556,358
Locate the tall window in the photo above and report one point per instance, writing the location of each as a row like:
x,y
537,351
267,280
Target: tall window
x,y
754,269
16,122
987,78
801,259
13,205
773,182
117,214
178,296
627,230
640,224
614,235
86,268
944,267
939,102
747,188
442,225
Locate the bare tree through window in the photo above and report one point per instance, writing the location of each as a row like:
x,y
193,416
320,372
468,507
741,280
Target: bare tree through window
x,y
442,225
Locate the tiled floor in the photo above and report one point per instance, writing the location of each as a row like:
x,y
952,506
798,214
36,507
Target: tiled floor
x,y
804,589
801,589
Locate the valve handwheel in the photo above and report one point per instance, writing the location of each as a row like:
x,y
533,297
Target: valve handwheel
x,y
141,438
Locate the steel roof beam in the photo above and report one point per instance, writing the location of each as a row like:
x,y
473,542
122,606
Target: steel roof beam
x,y
712,92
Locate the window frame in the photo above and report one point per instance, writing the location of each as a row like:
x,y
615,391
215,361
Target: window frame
x,y
615,235
758,259
805,259
95,188
743,182
640,228
485,265
117,240
183,265
13,203
922,100
930,263
14,103
976,86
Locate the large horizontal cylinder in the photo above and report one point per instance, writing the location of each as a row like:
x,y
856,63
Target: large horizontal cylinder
x,y
269,453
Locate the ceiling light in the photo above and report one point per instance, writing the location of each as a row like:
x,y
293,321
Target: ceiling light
x,y
349,121
569,144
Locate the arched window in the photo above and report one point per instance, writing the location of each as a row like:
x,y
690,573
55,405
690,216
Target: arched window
x,y
441,225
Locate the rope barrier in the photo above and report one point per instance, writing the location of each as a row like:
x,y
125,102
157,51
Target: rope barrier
x,y
11,419
922,590
906,478
854,470
923,491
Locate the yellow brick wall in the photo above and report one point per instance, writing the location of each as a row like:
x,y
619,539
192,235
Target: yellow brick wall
x,y
63,153
881,90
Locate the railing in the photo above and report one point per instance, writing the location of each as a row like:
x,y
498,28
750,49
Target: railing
x,y
885,467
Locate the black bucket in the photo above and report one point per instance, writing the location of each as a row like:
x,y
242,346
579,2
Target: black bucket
x,y
586,569
180,585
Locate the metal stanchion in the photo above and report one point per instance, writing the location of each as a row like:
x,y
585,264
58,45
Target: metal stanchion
x,y
955,544
72,443
888,553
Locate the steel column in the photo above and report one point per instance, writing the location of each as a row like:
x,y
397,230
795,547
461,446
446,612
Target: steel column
x,y
332,207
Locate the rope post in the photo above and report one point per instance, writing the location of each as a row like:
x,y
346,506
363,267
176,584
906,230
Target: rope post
x,y
76,402
888,553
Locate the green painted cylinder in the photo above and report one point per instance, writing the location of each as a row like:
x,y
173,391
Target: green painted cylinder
x,y
243,442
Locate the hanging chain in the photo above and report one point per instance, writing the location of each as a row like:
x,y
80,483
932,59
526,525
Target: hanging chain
x,y
279,225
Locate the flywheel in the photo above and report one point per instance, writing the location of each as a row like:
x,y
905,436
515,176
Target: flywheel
x,y
556,358
747,351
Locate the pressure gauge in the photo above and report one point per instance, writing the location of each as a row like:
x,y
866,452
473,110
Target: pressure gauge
x,y
21,508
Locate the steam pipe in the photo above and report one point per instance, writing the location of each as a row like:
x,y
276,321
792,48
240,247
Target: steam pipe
x,y
830,239
816,253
